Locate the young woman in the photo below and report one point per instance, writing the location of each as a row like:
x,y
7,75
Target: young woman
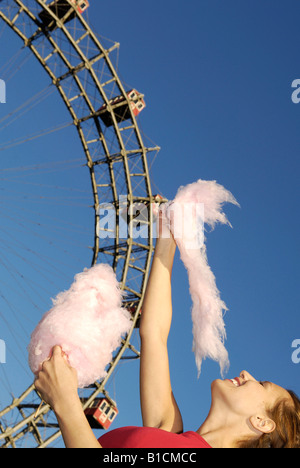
x,y
244,412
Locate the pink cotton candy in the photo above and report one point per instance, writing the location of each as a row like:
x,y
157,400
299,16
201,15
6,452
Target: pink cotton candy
x,y
186,220
87,321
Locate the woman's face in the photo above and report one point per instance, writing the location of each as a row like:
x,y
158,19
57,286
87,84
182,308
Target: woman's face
x,y
245,396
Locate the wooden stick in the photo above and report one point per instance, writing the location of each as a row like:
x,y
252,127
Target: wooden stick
x,y
37,411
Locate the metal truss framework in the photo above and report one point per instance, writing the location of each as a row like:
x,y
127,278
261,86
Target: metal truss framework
x,y
81,69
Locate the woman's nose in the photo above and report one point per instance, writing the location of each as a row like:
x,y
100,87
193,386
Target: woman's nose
x,y
245,376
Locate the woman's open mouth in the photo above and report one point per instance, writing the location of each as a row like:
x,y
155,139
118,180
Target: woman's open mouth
x,y
236,381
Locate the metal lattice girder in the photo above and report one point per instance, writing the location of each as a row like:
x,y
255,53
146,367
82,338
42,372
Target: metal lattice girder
x,y
81,69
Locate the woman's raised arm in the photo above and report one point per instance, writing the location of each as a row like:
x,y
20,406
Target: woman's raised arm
x,y
159,408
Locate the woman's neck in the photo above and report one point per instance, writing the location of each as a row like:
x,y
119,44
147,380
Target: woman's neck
x,y
222,432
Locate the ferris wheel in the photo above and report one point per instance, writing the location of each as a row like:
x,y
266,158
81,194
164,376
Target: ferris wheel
x,y
66,206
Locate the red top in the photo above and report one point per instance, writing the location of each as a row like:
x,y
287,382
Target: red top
x,y
150,437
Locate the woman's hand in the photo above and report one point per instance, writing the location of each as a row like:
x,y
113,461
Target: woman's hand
x,y
165,241
57,385
57,381
163,225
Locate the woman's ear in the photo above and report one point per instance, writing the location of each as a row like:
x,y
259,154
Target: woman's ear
x,y
263,424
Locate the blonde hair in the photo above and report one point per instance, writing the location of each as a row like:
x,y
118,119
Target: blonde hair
x,y
287,432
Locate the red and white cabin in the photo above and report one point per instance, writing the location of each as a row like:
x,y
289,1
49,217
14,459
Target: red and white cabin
x,y
63,10
137,103
121,109
81,5
102,414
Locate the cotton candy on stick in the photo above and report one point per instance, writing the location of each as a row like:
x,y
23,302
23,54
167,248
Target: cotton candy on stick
x,y
87,321
194,206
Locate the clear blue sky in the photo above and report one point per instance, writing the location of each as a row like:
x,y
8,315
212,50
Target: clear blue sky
x,y
217,82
